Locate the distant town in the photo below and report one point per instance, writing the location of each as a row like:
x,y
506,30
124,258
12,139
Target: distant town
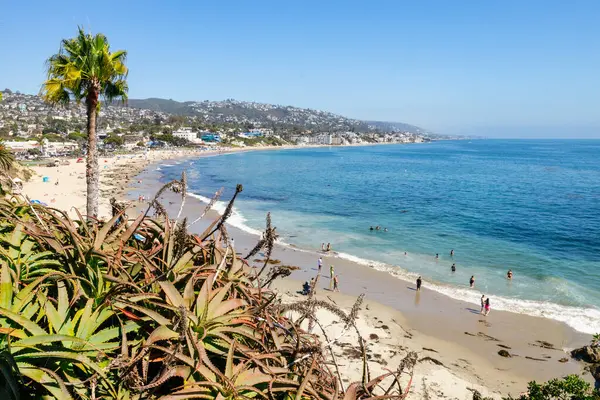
x,y
31,128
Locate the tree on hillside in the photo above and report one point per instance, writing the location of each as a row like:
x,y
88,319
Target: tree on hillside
x,y
115,140
85,69
76,136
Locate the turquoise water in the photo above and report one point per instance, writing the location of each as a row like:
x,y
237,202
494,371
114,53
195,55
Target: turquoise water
x,y
529,206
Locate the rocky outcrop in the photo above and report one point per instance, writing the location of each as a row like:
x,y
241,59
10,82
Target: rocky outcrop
x,y
504,353
595,371
591,355
588,354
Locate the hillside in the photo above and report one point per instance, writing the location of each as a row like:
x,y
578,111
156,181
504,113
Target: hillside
x,y
261,114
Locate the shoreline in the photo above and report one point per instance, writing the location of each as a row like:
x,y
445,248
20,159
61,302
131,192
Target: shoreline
x,y
116,174
435,325
454,325
582,319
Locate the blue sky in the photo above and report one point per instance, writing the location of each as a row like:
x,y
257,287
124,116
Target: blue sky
x,y
499,68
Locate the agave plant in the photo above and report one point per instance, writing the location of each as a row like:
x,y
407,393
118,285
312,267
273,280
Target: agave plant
x,y
141,309
51,343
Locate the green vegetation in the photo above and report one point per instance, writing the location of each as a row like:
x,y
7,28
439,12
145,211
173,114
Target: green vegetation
x,y
114,139
77,136
143,310
571,387
266,141
53,137
6,158
170,139
85,69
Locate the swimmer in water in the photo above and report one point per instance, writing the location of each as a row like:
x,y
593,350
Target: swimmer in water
x,y
452,253
453,267
472,281
509,274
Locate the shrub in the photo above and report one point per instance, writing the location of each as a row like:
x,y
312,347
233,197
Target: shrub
x,y
141,309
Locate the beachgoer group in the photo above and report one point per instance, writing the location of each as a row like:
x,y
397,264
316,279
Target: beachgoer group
x,y
325,248
378,228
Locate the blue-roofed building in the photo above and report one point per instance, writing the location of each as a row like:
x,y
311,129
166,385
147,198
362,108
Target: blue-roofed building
x,y
210,137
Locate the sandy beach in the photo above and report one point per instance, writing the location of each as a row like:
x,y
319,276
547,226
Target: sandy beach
x,y
457,347
65,186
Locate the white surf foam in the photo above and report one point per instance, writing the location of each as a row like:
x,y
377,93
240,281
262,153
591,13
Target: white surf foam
x,y
236,219
586,320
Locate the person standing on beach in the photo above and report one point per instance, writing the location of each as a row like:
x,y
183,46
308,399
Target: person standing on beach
x,y
328,247
331,276
335,284
320,264
487,306
419,281
482,303
472,281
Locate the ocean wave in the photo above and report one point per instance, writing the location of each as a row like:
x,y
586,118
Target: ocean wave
x,y
586,320
236,219
167,165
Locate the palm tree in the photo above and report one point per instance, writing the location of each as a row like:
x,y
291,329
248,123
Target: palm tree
x,y
6,158
85,69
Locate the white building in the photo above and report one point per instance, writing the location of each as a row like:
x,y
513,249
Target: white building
x,y
187,134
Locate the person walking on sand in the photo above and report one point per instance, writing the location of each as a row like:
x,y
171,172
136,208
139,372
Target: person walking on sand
x,y
320,264
419,282
509,274
487,306
482,303
472,281
331,276
335,284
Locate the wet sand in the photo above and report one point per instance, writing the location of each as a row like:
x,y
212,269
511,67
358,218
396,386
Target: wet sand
x,y
466,342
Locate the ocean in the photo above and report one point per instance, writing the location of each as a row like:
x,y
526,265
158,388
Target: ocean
x,y
530,206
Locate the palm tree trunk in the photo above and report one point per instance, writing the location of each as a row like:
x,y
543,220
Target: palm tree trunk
x,y
92,173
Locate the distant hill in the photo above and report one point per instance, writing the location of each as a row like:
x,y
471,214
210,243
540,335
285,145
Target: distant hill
x,y
162,105
395,127
265,115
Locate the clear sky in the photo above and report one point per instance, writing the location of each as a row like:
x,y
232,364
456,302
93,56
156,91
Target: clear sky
x,y
505,68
